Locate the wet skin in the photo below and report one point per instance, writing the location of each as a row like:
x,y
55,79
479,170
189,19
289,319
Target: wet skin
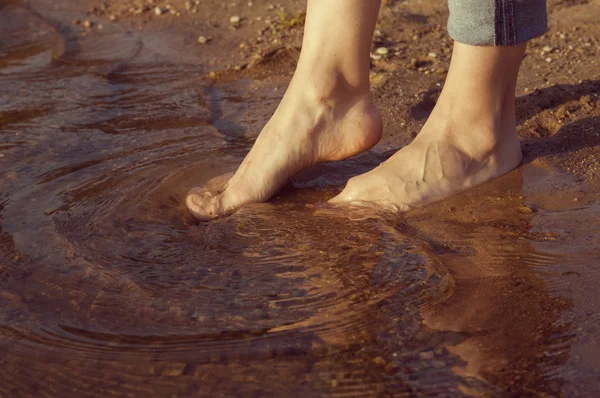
x,y
464,142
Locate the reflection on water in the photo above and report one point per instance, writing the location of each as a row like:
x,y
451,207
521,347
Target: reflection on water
x,y
108,287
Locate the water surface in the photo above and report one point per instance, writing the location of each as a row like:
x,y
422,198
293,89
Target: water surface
x,y
109,288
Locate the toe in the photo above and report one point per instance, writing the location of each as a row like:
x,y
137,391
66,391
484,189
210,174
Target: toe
x,y
338,199
203,205
350,193
206,202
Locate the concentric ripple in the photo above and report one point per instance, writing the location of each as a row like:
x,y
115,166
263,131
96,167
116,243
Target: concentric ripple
x,y
275,286
110,288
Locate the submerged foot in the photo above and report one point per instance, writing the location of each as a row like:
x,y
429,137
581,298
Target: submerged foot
x,y
310,126
443,160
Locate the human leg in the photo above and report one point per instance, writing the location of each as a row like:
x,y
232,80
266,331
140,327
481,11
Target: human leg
x,y
470,136
325,115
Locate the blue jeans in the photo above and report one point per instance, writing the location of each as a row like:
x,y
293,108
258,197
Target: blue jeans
x,y
496,22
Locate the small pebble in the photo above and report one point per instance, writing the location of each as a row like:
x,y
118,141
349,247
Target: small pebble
x,y
432,55
526,210
158,11
76,22
113,18
203,39
547,49
548,59
585,100
235,20
87,23
382,51
100,27
379,361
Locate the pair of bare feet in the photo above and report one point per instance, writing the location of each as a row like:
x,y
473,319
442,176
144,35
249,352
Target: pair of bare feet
x,y
469,138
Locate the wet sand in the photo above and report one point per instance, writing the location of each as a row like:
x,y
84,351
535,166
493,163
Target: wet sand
x,y
109,288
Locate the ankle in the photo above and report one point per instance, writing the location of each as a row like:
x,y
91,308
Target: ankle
x,y
481,132
329,88
494,109
331,77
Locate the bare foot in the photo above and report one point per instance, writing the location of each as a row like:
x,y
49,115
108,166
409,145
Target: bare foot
x,y
469,138
326,114
440,162
307,128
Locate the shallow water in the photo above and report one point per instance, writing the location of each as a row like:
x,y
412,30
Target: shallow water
x,y
108,287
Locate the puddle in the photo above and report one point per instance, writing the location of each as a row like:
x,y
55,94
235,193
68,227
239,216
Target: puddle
x,y
109,288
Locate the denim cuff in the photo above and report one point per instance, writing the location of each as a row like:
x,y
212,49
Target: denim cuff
x,y
496,22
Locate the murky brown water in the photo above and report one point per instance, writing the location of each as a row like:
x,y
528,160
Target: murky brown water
x,y
108,288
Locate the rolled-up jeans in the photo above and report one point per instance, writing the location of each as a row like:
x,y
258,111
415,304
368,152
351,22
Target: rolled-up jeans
x,y
496,22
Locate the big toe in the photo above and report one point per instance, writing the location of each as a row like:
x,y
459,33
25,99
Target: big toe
x,y
352,192
205,206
